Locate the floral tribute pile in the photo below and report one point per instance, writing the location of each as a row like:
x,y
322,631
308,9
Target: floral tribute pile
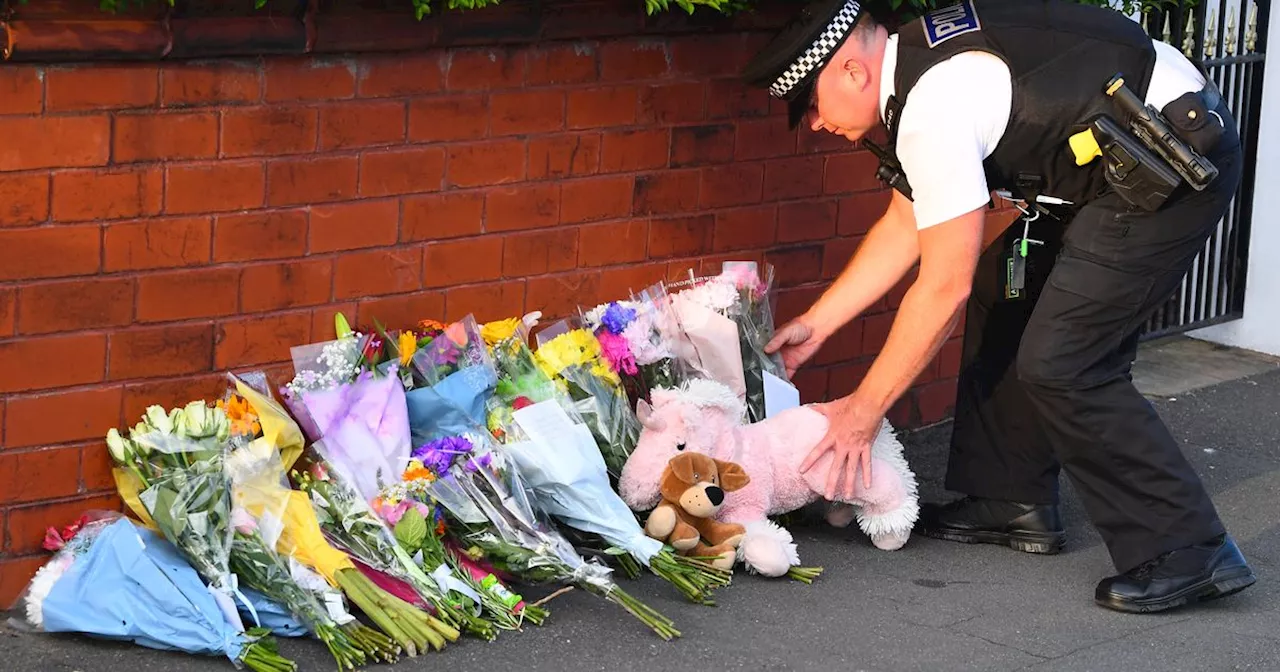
x,y
398,495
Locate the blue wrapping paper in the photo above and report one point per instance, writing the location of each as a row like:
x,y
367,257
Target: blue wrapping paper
x,y
453,406
271,615
133,585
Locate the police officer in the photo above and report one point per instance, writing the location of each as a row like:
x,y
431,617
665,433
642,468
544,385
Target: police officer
x,y
987,95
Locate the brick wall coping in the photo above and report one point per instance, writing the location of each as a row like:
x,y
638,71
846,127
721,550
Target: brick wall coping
x,y
77,30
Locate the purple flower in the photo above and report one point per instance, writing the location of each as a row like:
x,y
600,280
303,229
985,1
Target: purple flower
x,y
442,351
475,464
616,317
437,455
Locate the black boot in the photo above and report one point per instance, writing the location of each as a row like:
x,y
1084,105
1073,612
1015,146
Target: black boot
x,y
1197,573
1031,528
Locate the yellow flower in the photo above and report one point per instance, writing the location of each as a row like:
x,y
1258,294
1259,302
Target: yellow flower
x,y
499,331
408,346
569,349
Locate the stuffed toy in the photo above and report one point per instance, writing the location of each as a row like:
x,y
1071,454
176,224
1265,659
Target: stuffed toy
x,y
693,488
705,416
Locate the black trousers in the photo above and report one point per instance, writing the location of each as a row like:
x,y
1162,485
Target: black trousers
x,y
1045,381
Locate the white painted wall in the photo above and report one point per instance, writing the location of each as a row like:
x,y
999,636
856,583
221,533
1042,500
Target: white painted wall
x,y
1259,329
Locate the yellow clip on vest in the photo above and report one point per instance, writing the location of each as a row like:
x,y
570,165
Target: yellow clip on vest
x,y
1085,146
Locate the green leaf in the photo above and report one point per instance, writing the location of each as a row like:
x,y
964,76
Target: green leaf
x,y
411,531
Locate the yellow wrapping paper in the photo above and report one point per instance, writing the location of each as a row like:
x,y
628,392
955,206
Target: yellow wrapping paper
x,y
278,429
261,489
258,475
128,485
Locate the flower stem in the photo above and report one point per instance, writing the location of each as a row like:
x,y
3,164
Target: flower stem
x,y
805,575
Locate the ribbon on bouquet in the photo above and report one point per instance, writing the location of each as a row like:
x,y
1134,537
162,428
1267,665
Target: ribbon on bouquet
x,y
222,595
444,578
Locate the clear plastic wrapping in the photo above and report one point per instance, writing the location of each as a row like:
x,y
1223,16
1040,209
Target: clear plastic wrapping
x,y
570,353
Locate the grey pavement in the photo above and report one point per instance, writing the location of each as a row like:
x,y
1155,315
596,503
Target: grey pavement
x,y
930,606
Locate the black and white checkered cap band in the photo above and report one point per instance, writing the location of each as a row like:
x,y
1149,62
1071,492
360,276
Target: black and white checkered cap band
x,y
817,53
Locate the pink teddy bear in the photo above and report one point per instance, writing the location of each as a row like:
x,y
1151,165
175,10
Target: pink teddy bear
x,y
705,416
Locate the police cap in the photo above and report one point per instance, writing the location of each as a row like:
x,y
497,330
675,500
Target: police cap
x,y
790,63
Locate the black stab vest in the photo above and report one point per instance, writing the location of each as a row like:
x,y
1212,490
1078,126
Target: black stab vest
x,y
1060,55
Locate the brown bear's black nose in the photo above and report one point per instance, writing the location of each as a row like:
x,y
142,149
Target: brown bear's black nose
x,y
715,494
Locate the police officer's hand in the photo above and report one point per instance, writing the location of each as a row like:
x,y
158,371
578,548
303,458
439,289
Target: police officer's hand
x,y
797,340
851,430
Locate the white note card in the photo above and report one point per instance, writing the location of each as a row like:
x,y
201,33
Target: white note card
x,y
779,395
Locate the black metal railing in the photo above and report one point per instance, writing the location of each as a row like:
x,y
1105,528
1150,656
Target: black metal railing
x,y
1229,38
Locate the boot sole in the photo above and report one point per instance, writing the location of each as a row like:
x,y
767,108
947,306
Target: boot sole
x,y
1222,583
1039,543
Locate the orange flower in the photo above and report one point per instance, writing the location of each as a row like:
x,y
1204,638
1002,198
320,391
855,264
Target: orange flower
x,y
416,472
431,327
244,421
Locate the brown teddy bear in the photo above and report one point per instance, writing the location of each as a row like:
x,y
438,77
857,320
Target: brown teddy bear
x,y
693,489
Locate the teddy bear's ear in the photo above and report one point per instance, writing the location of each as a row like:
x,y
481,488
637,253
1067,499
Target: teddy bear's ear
x,y
732,476
676,477
681,467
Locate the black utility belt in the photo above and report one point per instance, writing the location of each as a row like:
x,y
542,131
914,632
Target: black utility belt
x,y
1157,151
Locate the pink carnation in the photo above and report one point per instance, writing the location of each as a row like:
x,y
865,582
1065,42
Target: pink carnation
x,y
615,349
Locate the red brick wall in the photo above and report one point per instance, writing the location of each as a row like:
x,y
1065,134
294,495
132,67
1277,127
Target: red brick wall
x,y
160,223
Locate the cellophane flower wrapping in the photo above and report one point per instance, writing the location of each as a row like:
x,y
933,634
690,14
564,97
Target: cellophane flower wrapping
x,y
419,526
359,411
572,354
728,318
349,521
260,498
565,472
490,514
639,338
176,461
117,580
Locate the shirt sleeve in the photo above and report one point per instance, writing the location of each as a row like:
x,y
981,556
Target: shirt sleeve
x,y
952,121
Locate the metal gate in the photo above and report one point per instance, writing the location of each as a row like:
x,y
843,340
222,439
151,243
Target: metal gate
x,y
1229,37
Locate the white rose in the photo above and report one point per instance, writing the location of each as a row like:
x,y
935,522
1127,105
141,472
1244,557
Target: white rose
x,y
158,420
119,448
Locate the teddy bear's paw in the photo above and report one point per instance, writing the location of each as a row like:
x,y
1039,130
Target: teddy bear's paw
x,y
726,560
891,541
661,523
841,515
684,544
734,541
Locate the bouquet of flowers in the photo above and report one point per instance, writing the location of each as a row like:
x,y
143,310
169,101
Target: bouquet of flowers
x,y
732,307
262,490
454,367
520,383
116,580
348,518
574,355
342,393
419,527
641,338
171,472
559,462
258,527
490,515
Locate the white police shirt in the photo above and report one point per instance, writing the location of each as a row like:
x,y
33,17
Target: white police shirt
x,y
957,113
